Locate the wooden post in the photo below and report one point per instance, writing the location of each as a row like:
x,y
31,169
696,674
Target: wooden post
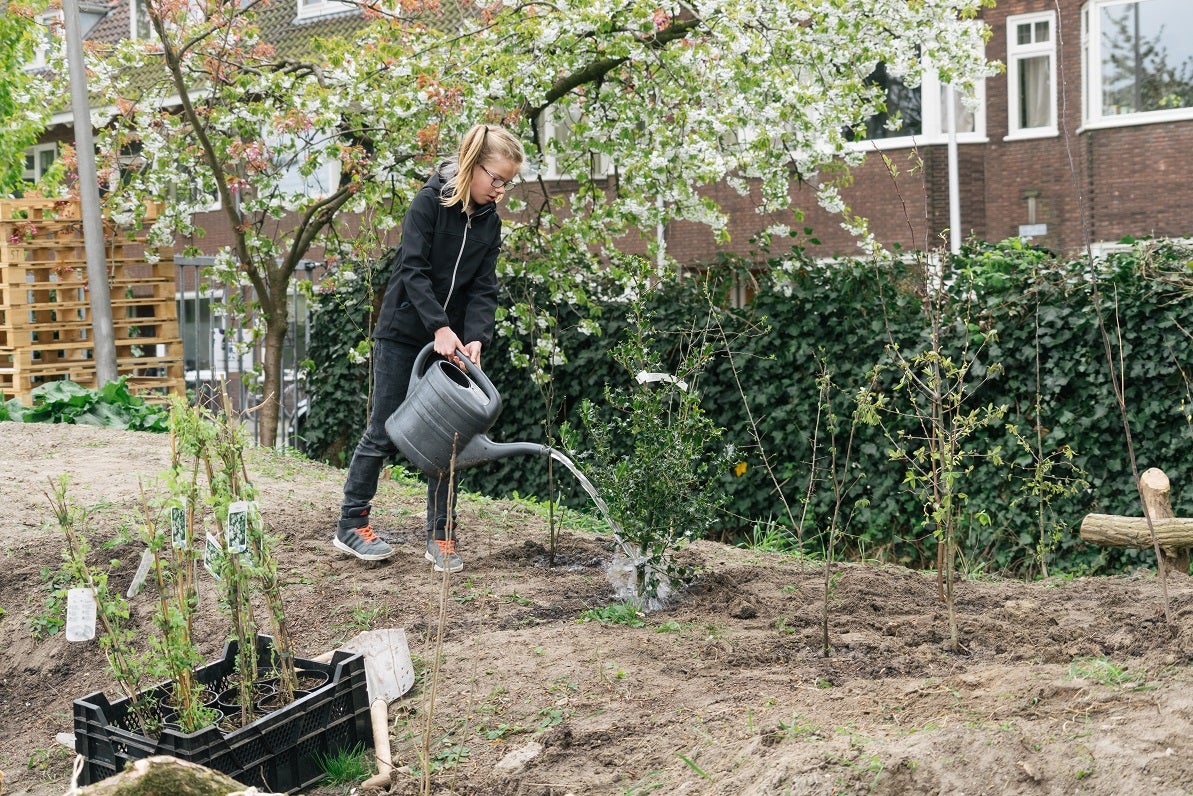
x,y
1155,489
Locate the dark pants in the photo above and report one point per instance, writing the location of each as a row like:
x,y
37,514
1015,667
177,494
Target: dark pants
x,y
392,363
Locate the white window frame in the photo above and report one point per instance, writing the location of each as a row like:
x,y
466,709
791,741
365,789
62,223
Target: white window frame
x,y
195,11
933,120
133,33
1016,53
311,9
551,129
1091,75
51,22
37,151
319,184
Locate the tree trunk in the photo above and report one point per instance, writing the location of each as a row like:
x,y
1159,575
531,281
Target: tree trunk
x,y
276,323
163,774
1155,489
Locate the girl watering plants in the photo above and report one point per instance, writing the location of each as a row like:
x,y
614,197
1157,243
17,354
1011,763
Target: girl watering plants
x,y
443,290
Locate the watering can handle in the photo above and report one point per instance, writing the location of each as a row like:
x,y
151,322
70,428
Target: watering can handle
x,y
473,371
477,375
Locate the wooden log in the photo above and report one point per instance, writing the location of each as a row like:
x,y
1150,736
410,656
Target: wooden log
x,y
1155,489
1112,530
153,776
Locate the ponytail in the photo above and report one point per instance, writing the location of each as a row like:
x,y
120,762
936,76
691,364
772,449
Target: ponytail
x,y
482,142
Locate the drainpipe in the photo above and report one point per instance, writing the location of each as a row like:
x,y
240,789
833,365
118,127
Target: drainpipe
x,y
954,180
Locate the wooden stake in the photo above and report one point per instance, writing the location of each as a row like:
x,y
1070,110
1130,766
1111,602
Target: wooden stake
x,y
1155,489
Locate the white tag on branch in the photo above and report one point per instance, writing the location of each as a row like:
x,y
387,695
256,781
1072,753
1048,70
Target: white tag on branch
x,y
80,614
236,530
178,527
142,572
213,556
643,377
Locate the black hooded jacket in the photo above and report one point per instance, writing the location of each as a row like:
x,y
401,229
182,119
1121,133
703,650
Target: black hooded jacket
x,y
445,273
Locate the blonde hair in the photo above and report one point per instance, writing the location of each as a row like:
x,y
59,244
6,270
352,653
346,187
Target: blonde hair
x,y
483,142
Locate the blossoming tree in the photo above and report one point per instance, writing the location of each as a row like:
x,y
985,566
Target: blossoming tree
x,y
322,144
24,96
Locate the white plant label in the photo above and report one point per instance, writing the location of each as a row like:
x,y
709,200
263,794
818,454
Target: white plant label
x,y
178,527
80,614
212,555
142,572
236,530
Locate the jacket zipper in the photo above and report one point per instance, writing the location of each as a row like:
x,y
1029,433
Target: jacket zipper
x,y
459,256
456,269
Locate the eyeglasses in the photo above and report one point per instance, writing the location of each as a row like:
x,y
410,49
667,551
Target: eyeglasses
x,y
497,181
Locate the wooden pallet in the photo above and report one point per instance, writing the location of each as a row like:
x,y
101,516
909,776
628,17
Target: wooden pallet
x,y
45,312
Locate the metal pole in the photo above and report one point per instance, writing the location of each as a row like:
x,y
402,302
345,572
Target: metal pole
x,y
103,338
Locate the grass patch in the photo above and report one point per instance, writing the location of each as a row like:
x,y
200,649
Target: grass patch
x,y
345,766
1104,672
616,614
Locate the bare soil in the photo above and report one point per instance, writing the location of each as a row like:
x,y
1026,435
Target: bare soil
x,y
724,692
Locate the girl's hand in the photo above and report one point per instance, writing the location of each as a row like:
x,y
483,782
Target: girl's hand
x,y
446,343
473,350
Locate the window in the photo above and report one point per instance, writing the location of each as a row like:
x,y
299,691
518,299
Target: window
x,y
141,27
1138,61
38,160
49,30
306,166
919,115
319,8
1031,75
555,129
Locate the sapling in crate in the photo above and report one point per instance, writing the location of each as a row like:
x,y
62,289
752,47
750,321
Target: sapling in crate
x,y
248,565
132,670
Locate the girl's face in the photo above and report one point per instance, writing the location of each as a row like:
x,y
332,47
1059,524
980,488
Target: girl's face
x,y
486,173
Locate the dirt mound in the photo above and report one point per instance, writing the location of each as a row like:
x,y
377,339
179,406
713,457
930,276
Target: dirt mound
x,y
724,692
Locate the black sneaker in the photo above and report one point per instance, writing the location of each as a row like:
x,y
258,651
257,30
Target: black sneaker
x,y
442,553
362,543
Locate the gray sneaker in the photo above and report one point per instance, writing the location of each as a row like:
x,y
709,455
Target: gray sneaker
x,y
362,543
442,553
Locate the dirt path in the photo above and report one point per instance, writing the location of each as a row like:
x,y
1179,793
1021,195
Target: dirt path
x,y
726,692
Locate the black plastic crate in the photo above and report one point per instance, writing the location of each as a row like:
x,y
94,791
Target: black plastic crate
x,y
278,752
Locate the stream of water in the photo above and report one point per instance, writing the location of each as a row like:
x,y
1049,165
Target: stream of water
x,y
623,569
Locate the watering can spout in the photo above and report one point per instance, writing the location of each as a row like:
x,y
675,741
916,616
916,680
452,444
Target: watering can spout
x,y
481,449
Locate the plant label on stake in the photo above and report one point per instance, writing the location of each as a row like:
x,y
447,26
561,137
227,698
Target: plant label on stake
x,y
178,527
142,572
80,614
236,529
212,556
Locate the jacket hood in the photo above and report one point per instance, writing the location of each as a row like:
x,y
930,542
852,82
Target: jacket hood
x,y
442,175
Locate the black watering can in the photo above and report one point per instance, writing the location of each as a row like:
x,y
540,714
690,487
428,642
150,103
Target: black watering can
x,y
448,411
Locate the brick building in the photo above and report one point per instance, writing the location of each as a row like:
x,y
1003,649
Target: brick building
x,y
1083,137
1088,127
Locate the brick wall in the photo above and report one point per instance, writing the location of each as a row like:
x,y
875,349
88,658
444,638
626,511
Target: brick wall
x,y
1129,180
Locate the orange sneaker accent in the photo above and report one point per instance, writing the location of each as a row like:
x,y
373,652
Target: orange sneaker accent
x,y
446,546
367,533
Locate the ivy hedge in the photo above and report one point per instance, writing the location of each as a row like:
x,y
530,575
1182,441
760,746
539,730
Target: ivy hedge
x,y
808,324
